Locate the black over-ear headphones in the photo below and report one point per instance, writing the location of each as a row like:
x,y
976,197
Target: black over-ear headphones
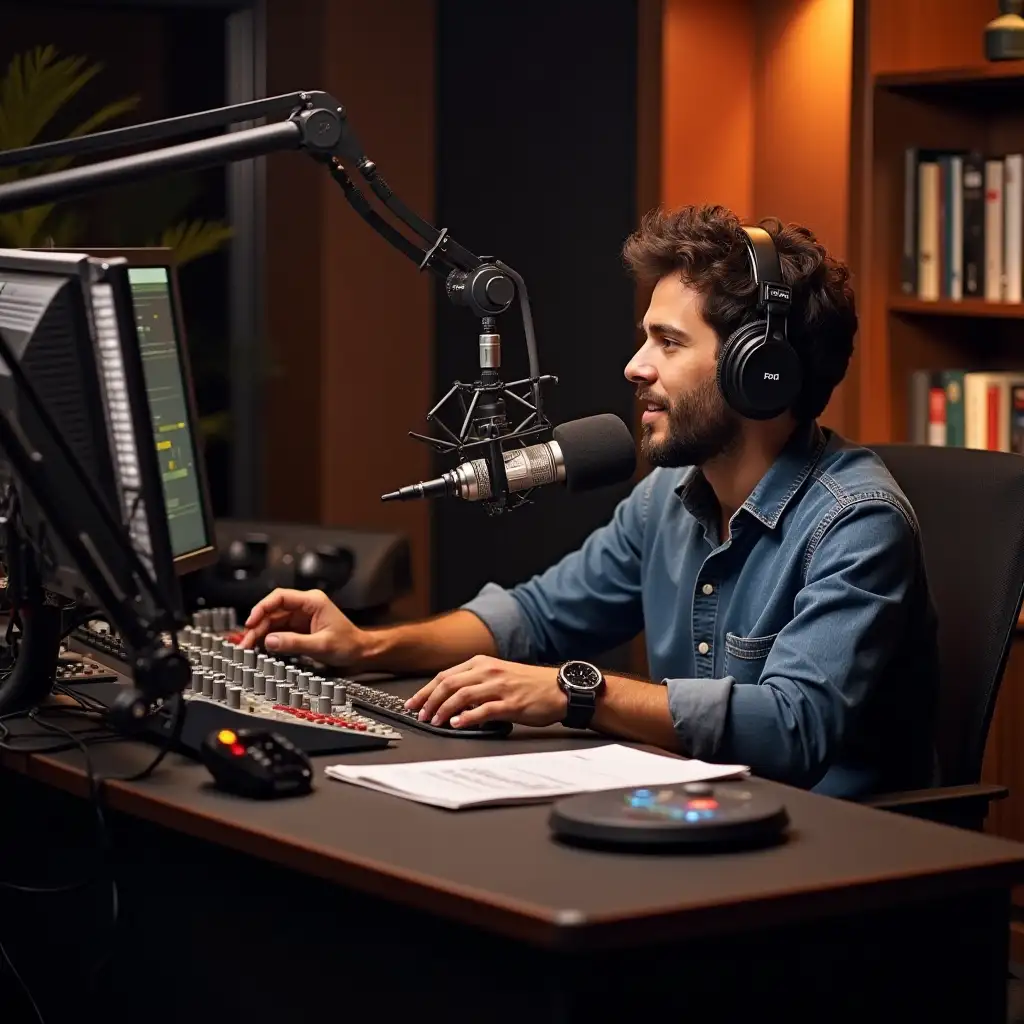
x,y
759,372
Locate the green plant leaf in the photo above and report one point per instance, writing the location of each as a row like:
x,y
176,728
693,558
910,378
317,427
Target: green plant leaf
x,y
34,89
192,239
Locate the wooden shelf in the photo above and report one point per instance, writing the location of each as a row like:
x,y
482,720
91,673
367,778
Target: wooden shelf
x,y
960,83
951,307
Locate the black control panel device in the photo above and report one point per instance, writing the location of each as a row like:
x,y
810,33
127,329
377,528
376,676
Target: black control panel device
x,y
697,815
257,763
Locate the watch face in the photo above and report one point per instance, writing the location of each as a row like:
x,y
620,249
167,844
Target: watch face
x,y
581,675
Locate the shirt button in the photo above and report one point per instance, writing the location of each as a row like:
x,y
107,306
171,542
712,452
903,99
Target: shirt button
x,y
703,648
707,588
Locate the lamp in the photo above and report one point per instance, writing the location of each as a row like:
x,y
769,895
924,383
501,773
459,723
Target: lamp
x,y
1004,36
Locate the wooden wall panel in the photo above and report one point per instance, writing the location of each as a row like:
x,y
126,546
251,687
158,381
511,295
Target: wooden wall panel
x,y
804,52
295,202
707,104
922,35
350,319
756,114
377,380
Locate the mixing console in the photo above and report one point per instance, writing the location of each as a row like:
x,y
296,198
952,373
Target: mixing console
x,y
230,687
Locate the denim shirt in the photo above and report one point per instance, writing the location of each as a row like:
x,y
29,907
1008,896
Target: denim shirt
x,y
804,645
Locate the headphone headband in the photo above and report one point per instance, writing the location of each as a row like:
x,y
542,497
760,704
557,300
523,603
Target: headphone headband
x,y
773,296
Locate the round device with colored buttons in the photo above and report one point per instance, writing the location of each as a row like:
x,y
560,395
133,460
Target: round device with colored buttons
x,y
695,815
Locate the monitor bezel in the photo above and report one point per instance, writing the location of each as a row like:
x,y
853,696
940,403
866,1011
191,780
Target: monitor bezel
x,y
162,256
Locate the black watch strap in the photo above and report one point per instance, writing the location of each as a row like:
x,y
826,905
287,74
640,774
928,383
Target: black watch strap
x,y
580,711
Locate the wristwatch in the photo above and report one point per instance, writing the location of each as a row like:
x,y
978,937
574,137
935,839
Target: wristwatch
x,y
581,682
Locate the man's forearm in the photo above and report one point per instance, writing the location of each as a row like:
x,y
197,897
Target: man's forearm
x,y
427,646
635,710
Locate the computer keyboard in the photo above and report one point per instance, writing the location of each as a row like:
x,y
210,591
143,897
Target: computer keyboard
x,y
379,702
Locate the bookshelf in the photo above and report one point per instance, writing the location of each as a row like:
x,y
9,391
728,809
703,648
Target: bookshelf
x,y
971,108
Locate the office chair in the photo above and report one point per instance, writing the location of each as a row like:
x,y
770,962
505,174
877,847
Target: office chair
x,y
970,506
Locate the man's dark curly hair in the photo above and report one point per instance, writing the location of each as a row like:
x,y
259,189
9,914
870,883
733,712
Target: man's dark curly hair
x,y
704,245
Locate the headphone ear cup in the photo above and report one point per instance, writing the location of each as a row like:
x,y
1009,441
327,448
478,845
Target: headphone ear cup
x,y
759,377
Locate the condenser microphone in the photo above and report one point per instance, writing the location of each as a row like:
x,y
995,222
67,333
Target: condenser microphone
x,y
583,454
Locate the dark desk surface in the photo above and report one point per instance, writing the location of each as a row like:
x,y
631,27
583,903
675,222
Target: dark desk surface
x,y
499,869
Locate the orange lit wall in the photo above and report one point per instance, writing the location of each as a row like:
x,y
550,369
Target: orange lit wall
x,y
755,113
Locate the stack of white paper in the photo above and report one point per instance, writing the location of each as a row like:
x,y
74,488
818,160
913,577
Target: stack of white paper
x,y
528,778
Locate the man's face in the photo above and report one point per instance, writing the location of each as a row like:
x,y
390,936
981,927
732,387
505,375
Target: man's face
x,y
686,421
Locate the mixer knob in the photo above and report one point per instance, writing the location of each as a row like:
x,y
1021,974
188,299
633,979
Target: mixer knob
x,y
206,659
216,663
340,693
205,640
196,683
248,674
261,662
283,692
225,648
232,619
218,619
295,698
259,683
195,619
302,681
219,689
207,684
280,671
322,704
291,675
313,685
235,697
249,657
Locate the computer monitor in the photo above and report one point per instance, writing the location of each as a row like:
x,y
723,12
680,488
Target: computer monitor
x,y
153,280
69,322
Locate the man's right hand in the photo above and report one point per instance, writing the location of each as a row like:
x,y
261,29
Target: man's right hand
x,y
304,622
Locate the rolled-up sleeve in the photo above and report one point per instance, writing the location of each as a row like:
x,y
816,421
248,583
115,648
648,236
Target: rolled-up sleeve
x,y
587,603
848,617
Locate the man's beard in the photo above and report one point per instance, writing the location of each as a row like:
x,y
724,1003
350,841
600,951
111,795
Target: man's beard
x,y
700,427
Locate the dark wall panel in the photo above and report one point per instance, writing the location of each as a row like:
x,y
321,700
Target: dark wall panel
x,y
536,152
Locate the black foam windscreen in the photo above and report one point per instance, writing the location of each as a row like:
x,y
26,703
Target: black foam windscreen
x,y
597,451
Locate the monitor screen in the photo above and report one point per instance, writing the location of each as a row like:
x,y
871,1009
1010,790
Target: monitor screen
x,y
169,407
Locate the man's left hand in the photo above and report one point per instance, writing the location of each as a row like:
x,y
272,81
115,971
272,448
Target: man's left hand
x,y
485,689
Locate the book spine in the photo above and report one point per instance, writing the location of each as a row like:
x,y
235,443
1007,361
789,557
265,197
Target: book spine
x,y
1017,419
928,240
953,382
936,411
908,264
956,232
1013,226
994,230
974,226
917,407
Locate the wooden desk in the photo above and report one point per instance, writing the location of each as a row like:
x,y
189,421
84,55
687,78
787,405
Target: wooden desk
x,y
350,897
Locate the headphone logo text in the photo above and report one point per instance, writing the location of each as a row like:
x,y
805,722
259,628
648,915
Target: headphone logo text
x,y
771,376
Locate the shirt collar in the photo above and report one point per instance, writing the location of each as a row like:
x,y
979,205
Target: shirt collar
x,y
775,490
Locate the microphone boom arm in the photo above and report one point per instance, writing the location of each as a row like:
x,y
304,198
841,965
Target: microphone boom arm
x,y
317,124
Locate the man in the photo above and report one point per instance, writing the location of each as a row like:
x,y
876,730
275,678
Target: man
x,y
775,569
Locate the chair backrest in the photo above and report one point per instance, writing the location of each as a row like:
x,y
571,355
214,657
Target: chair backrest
x,y
970,506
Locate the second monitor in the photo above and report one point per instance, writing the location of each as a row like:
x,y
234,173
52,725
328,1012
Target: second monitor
x,y
153,280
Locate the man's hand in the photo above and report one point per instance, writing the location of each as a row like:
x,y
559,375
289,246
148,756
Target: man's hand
x,y
304,622
485,689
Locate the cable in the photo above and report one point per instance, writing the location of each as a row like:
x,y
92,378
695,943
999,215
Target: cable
x,y
5,959
173,735
105,844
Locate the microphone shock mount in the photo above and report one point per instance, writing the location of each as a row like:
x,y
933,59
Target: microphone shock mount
x,y
484,430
